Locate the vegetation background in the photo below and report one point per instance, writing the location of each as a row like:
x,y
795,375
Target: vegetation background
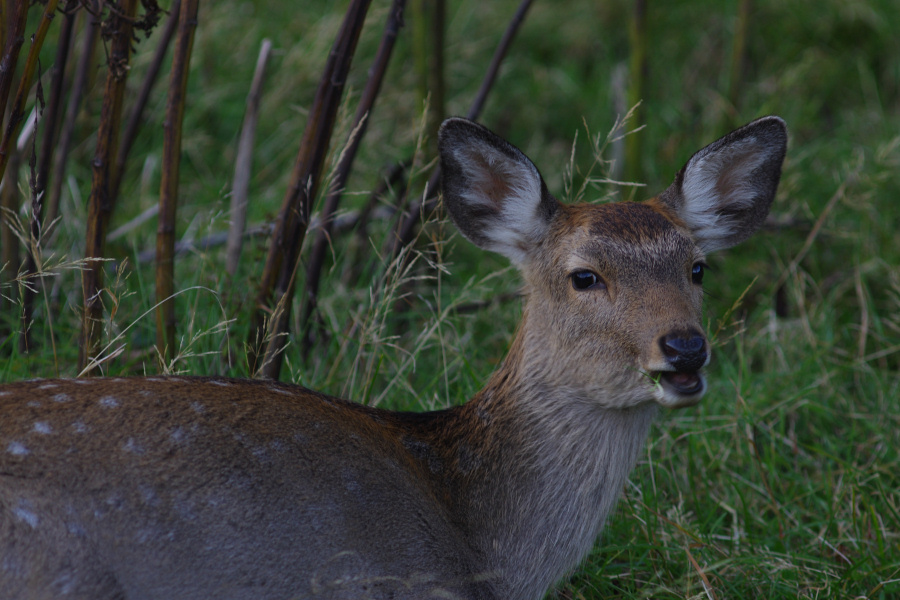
x,y
783,483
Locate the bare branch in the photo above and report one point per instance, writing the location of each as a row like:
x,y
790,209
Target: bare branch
x,y
243,163
278,279
168,195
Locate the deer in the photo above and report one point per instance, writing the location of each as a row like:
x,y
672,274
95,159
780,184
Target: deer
x,y
209,487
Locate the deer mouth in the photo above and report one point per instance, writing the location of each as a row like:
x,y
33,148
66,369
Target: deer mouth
x,y
677,389
686,383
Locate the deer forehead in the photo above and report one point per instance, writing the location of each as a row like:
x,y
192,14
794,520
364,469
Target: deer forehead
x,y
624,239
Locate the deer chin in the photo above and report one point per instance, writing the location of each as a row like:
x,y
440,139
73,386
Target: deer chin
x,y
679,389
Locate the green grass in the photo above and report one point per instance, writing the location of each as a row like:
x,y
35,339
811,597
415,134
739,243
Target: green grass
x,y
784,482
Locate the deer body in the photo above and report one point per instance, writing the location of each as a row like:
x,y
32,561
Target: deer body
x,y
218,488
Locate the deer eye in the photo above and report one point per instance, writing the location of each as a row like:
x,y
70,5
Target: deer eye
x,y
585,280
697,273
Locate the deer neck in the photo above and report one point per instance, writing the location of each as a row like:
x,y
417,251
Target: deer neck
x,y
544,468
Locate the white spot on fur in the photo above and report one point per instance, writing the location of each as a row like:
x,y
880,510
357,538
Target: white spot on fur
x,y
278,390
109,402
33,404
26,516
221,383
132,446
43,427
76,529
17,449
83,381
177,435
198,408
62,398
47,386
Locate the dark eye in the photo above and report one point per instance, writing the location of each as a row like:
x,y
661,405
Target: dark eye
x,y
697,273
585,280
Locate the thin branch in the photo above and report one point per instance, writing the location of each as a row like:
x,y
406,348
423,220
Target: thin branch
x,y
129,134
499,54
360,122
343,223
50,119
11,49
18,110
168,195
277,286
243,163
637,34
82,74
101,202
406,232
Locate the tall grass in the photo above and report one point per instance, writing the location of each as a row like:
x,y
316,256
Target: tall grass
x,y
783,483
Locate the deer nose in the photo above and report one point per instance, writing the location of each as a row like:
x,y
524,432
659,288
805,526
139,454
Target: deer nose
x,y
684,351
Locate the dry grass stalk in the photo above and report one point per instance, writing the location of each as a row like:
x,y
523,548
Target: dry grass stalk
x,y
277,285
49,121
168,195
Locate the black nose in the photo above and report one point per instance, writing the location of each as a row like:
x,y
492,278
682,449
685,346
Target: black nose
x,y
684,351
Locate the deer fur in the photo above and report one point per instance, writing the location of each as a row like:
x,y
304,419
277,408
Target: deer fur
x,y
207,487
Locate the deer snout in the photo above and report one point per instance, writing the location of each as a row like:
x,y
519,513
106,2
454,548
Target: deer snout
x,y
685,351
682,355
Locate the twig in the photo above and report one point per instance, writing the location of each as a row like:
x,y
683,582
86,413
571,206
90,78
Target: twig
x,y
499,54
406,230
360,121
738,59
82,74
101,202
18,109
129,134
168,194
637,35
427,24
11,49
344,222
244,162
277,285
388,181
51,114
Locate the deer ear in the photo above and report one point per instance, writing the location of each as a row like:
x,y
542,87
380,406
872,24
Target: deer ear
x,y
724,192
493,192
